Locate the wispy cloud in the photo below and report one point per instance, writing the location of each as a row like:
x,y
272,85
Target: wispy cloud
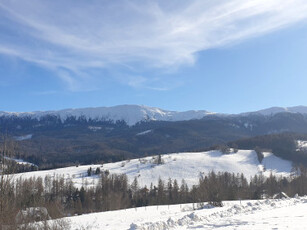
x,y
72,37
150,83
42,93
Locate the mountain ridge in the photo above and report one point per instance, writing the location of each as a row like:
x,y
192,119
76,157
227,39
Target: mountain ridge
x,y
132,114
274,110
50,142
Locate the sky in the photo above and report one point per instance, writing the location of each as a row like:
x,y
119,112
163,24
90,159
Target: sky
x,y
227,56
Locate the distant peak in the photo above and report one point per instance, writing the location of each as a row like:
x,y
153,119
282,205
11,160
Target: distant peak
x,y
274,110
131,114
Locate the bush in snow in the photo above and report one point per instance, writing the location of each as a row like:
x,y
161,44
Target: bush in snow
x,y
158,160
260,155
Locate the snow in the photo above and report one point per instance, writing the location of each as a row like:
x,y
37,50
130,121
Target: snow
x,y
94,128
187,166
301,144
144,132
77,174
20,161
131,114
24,137
273,164
250,214
248,126
275,110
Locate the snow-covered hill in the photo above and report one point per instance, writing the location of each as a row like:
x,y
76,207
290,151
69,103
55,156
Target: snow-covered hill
x,y
131,114
262,214
187,166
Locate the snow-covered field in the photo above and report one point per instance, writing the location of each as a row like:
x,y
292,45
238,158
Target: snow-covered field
x,y
187,166
19,161
288,213
262,214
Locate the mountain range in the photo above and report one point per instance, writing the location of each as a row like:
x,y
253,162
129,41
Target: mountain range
x,y
132,114
92,135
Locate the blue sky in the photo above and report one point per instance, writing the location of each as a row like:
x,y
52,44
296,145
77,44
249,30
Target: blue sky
x,y
223,56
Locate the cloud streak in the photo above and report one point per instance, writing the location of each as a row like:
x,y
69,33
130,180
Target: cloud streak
x,y
77,36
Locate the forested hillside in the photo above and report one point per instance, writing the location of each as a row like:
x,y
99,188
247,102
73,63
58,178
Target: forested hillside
x,y
52,142
284,145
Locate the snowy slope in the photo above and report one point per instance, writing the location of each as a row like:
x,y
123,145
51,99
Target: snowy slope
x,y
263,214
20,161
188,166
131,114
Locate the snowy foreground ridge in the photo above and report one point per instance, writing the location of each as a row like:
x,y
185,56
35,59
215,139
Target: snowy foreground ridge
x,y
262,214
187,166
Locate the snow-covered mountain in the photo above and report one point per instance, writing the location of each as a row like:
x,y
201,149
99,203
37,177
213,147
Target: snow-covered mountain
x,y
131,114
275,110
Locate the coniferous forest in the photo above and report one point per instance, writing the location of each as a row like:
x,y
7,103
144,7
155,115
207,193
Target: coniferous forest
x,y
61,198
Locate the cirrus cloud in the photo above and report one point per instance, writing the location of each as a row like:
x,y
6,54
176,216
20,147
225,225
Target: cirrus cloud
x,y
72,37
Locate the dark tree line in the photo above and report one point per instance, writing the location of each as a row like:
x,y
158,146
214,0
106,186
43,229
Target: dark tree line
x,y
62,198
283,145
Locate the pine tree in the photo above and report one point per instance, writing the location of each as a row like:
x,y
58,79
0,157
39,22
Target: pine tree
x,y
160,194
175,192
170,190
